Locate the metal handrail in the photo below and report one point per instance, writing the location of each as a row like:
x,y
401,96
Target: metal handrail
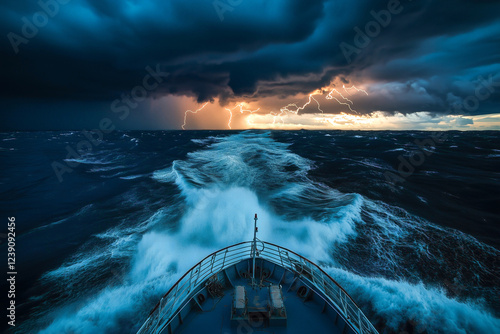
x,y
176,298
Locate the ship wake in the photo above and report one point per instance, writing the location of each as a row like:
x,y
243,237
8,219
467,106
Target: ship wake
x,y
399,267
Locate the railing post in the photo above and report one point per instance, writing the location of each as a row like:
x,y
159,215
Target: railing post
x,y
198,276
342,302
224,260
190,280
212,260
254,249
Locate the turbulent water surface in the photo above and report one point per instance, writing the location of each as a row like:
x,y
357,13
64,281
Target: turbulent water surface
x,y
96,251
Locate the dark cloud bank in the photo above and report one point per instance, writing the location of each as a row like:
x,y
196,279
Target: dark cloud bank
x,y
425,56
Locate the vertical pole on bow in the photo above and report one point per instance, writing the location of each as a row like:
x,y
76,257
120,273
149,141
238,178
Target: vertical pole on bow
x,y
254,247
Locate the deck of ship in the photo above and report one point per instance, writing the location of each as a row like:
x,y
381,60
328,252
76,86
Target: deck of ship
x,y
303,315
289,294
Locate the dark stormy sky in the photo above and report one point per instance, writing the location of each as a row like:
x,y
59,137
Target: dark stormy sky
x,y
67,64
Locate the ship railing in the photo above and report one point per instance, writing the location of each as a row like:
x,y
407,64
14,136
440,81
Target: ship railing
x,y
310,272
171,304
177,297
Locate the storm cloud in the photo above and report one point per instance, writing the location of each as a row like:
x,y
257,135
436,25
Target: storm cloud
x,y
425,56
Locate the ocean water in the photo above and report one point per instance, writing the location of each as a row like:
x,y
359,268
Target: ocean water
x,y
96,251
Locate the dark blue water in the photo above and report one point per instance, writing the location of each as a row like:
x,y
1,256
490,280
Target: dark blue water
x,y
418,248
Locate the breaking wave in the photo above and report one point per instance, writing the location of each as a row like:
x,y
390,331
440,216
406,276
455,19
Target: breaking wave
x,y
392,262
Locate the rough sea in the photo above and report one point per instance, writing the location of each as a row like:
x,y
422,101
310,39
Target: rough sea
x,y
407,224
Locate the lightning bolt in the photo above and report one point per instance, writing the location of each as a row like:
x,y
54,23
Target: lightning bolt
x,y
343,103
193,112
285,109
276,115
291,108
330,96
239,105
349,103
356,88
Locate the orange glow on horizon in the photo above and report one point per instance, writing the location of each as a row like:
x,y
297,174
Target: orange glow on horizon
x,y
285,111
